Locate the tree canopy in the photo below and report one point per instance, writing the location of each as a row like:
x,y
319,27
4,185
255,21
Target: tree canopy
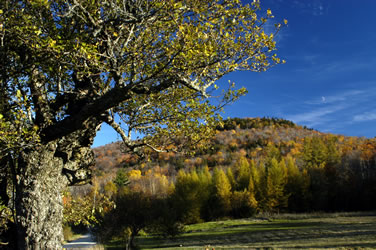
x,y
154,63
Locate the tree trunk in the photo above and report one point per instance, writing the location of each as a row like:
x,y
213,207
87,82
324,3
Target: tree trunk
x,y
131,243
41,175
39,205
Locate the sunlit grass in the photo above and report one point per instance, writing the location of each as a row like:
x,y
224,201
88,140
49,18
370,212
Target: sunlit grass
x,y
340,230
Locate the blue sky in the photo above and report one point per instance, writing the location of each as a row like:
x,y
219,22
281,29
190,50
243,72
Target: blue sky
x,y
329,80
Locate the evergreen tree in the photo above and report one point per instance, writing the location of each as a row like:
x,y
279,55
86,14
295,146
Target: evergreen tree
x,y
121,179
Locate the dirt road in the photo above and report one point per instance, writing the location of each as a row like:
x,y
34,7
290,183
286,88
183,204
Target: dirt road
x,y
84,242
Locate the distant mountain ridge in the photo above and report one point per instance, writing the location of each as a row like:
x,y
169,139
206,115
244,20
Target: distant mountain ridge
x,y
235,134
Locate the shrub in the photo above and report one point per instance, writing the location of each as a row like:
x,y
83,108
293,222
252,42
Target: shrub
x,y
68,233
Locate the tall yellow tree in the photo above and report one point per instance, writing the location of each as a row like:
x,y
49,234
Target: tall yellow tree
x,y
244,173
222,192
297,186
274,181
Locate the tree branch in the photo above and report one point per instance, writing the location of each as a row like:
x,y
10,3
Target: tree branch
x,y
96,107
42,110
111,122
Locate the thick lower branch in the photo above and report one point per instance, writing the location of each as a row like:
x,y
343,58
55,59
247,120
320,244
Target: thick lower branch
x,y
97,107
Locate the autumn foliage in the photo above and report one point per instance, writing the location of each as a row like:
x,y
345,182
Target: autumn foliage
x,y
250,166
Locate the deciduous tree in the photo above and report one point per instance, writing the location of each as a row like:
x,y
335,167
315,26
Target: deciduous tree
x,y
70,65
273,184
221,192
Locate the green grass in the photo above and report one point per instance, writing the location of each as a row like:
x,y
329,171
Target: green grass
x,y
339,230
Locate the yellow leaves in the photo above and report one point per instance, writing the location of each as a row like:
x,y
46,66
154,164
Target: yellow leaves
x,y
285,21
52,43
178,5
18,94
209,25
18,131
44,3
181,42
134,174
263,36
256,4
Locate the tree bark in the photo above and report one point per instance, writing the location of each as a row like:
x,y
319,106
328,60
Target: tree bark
x,y
41,175
39,205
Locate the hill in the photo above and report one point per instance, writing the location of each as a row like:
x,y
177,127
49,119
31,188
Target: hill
x,y
322,171
235,134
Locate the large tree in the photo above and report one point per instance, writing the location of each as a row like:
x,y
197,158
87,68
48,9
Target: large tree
x,y
140,66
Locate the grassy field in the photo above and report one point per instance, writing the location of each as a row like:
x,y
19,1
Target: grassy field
x,y
285,231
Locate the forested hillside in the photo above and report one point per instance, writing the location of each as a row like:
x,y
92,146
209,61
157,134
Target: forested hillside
x,y
251,165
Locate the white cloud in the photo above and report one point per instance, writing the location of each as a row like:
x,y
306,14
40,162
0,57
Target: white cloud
x,y
366,116
332,112
316,116
356,64
340,97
